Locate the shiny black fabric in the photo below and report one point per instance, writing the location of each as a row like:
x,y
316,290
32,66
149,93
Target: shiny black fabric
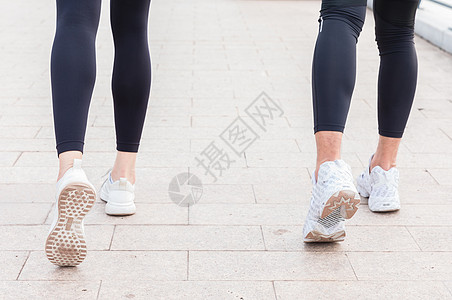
x,y
334,64
73,70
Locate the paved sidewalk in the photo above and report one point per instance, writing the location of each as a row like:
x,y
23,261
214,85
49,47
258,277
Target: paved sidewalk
x,y
243,240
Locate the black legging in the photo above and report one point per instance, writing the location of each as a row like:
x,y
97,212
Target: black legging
x,y
73,69
334,64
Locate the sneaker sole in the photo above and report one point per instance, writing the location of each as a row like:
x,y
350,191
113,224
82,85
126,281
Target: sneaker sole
x,y
120,210
66,245
382,208
347,200
318,237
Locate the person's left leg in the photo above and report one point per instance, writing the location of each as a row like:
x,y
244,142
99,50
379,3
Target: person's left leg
x,y
394,28
334,196
131,87
131,80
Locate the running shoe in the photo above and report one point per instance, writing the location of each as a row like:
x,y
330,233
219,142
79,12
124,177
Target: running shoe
x,y
334,199
381,187
119,195
65,246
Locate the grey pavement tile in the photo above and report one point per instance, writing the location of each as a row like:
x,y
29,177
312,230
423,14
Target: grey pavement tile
x,y
8,100
64,290
180,133
32,237
168,214
211,193
359,238
26,120
112,265
191,237
34,175
21,192
266,265
420,289
23,213
274,145
297,193
105,159
274,159
12,263
227,193
415,215
415,194
432,238
247,214
258,290
7,159
401,265
416,176
14,132
29,144
277,176
183,102
449,286
442,176
428,141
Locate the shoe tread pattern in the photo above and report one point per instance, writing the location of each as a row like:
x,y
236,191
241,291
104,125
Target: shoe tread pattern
x,y
66,245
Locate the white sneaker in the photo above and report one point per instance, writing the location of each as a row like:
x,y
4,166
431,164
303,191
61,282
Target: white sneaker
x,y
119,196
65,245
334,199
381,187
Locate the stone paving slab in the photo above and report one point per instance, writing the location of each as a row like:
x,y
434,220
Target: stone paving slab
x,y
12,290
259,265
32,237
187,238
187,290
361,290
112,265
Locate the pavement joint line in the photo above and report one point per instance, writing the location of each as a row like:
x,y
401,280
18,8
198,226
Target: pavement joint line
x,y
23,265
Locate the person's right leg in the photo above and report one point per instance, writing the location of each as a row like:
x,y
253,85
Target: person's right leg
x,y
394,29
73,74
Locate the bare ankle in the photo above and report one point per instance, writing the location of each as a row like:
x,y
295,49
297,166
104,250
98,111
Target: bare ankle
x,y
67,161
129,174
328,147
124,166
63,170
386,154
383,163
